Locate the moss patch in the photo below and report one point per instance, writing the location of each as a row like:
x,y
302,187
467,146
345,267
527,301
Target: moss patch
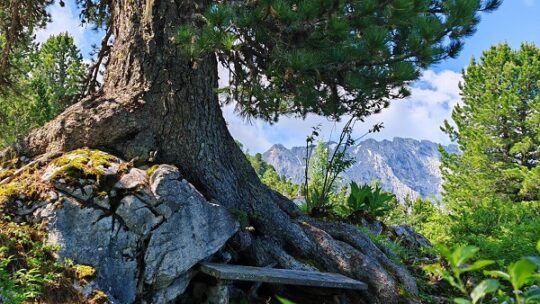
x,y
6,173
98,297
85,273
152,170
28,186
82,163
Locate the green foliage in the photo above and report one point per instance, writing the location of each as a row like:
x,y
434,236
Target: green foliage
x,y
50,80
27,265
365,199
270,177
497,129
491,188
323,168
317,190
18,22
328,57
424,215
520,275
57,74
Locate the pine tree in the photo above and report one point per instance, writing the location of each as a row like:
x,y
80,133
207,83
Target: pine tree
x,y
50,78
60,70
497,127
492,187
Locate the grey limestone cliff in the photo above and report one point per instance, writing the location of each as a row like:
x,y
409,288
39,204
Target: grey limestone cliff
x,y
404,166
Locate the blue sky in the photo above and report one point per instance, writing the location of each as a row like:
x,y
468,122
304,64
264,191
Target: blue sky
x,y
419,116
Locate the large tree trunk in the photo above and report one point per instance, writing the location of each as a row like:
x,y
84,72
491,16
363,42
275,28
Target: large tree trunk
x,y
155,101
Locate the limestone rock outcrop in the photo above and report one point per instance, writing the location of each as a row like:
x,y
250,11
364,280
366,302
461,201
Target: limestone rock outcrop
x,y
142,230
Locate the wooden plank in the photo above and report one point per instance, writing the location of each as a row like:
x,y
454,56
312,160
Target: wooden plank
x,y
280,276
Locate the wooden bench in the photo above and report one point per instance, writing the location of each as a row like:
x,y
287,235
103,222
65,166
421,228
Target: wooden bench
x,y
227,272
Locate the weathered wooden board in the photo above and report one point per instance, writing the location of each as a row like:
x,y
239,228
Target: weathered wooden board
x,y
280,276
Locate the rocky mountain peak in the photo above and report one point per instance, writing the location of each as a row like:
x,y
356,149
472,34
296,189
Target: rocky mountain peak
x,y
404,166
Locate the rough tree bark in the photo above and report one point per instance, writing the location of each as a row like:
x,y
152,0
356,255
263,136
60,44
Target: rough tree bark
x,y
156,101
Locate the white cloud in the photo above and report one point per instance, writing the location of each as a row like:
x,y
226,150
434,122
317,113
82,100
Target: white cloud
x,y
66,19
419,116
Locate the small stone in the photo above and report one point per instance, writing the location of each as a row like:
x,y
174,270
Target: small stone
x,y
111,170
78,193
112,193
164,210
135,177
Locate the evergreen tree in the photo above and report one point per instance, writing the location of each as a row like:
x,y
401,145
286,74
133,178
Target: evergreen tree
x,y
492,187
58,73
497,128
50,79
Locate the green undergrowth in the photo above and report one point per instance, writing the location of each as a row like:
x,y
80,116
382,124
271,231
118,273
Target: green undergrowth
x,y
414,259
29,272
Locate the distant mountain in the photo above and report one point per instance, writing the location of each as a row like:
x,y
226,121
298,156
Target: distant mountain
x,y
404,166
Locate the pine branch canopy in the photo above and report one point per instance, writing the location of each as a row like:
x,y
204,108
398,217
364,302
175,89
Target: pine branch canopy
x,y
294,57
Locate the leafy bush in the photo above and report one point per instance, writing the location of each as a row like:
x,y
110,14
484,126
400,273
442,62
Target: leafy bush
x,y
364,200
503,231
424,215
518,279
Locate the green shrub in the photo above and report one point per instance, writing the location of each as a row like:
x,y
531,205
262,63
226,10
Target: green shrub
x,y
423,215
503,231
517,284
365,200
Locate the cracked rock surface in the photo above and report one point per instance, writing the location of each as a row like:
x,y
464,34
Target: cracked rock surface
x,y
142,233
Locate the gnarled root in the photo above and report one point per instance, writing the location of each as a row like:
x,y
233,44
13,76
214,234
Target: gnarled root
x,y
210,159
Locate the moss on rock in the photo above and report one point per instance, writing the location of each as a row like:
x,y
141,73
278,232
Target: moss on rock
x,y
82,163
151,170
85,273
29,270
27,186
98,297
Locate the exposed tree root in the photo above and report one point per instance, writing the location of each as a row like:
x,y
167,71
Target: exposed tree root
x,y
171,114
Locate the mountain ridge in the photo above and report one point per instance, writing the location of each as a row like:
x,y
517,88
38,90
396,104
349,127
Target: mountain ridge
x,y
405,166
